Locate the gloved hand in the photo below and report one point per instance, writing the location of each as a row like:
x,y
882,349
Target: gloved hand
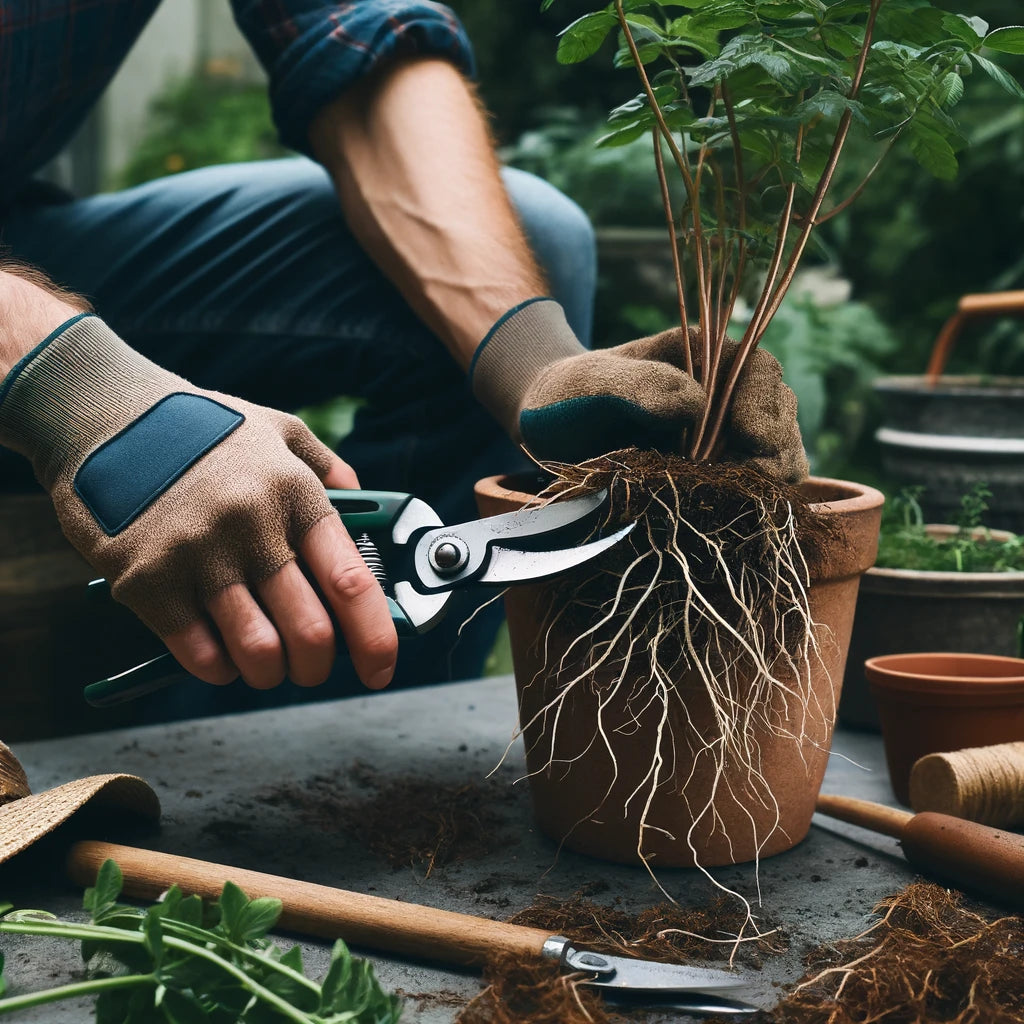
x,y
176,494
568,404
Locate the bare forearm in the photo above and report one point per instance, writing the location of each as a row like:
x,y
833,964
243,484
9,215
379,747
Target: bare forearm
x,y
30,308
412,160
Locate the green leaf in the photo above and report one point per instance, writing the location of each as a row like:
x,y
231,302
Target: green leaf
x,y
1006,40
257,918
583,38
182,1008
968,30
933,152
950,91
5,907
622,136
232,902
154,935
103,895
998,75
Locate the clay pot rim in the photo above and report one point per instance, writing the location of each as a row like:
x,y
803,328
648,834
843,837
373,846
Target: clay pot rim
x,y
864,497
884,674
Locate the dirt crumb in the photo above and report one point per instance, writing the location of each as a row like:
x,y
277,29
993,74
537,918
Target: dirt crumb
x,y
411,822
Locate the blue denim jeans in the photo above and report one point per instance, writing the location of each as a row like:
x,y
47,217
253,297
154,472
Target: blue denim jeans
x,y
245,279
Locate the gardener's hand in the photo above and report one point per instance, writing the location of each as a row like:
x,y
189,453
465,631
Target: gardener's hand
x,y
195,506
567,404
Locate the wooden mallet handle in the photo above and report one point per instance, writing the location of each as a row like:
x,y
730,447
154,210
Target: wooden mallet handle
x,y
318,910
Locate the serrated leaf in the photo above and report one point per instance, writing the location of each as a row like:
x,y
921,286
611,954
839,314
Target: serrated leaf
x,y
998,75
950,91
1009,39
583,38
933,152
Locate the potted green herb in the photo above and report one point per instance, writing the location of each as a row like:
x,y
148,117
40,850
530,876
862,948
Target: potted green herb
x,y
954,587
677,707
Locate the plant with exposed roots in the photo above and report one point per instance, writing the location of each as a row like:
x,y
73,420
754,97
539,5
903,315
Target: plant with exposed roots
x,y
697,632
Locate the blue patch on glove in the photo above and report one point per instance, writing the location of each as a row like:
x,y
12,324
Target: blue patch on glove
x,y
582,428
124,476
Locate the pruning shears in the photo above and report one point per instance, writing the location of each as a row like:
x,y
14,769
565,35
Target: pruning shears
x,y
421,563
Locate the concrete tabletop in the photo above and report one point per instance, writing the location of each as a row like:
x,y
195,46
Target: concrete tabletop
x,y
216,779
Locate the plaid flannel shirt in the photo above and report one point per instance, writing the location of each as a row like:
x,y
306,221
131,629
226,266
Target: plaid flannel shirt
x,y
57,56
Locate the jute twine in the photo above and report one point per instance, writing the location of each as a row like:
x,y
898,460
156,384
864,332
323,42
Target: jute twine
x,y
984,784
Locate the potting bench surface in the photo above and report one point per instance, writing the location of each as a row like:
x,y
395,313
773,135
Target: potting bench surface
x,y
228,789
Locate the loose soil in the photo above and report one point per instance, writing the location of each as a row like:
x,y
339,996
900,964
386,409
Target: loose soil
x,y
408,821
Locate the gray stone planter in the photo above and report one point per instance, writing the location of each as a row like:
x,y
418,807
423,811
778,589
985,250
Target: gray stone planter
x,y
903,611
955,433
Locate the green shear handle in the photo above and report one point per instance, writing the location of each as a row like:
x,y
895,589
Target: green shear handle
x,y
369,516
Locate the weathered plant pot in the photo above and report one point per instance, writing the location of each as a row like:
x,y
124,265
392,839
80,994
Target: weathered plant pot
x,y
951,434
590,803
901,611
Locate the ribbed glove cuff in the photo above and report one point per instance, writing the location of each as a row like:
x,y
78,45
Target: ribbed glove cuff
x,y
74,390
523,342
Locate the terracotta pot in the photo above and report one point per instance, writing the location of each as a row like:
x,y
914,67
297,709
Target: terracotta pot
x,y
583,801
936,703
900,611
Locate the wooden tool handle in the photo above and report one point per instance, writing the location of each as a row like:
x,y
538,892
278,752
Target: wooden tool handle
x,y
973,857
977,858
318,910
887,820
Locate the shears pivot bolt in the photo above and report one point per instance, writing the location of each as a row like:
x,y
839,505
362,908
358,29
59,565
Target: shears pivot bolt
x,y
448,555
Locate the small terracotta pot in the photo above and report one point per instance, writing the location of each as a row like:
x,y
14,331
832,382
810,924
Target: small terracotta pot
x,y
587,801
936,703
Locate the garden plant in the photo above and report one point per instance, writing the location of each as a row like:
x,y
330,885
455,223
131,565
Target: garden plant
x,y
702,639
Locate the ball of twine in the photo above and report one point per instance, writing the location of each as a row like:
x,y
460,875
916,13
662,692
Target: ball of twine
x,y
984,784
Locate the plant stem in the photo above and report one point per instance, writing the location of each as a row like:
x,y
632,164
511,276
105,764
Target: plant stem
x,y
769,306
666,202
80,988
62,930
692,191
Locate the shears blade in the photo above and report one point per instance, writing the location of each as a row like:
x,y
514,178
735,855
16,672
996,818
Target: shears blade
x,y
513,565
515,547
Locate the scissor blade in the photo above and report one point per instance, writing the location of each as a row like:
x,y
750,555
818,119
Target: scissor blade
x,y
509,565
625,973
692,1002
528,522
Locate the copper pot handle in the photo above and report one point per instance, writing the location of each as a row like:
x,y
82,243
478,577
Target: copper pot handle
x,y
970,307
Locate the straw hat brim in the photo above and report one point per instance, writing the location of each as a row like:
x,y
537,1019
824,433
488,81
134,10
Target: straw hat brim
x,y
26,820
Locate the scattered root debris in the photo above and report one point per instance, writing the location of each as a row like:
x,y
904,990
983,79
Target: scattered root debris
x,y
411,822
667,932
929,960
533,992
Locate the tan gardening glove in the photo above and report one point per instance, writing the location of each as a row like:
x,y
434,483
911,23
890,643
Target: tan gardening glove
x,y
567,404
172,492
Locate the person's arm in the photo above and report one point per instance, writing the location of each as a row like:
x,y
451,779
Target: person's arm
x,y
415,170
69,388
